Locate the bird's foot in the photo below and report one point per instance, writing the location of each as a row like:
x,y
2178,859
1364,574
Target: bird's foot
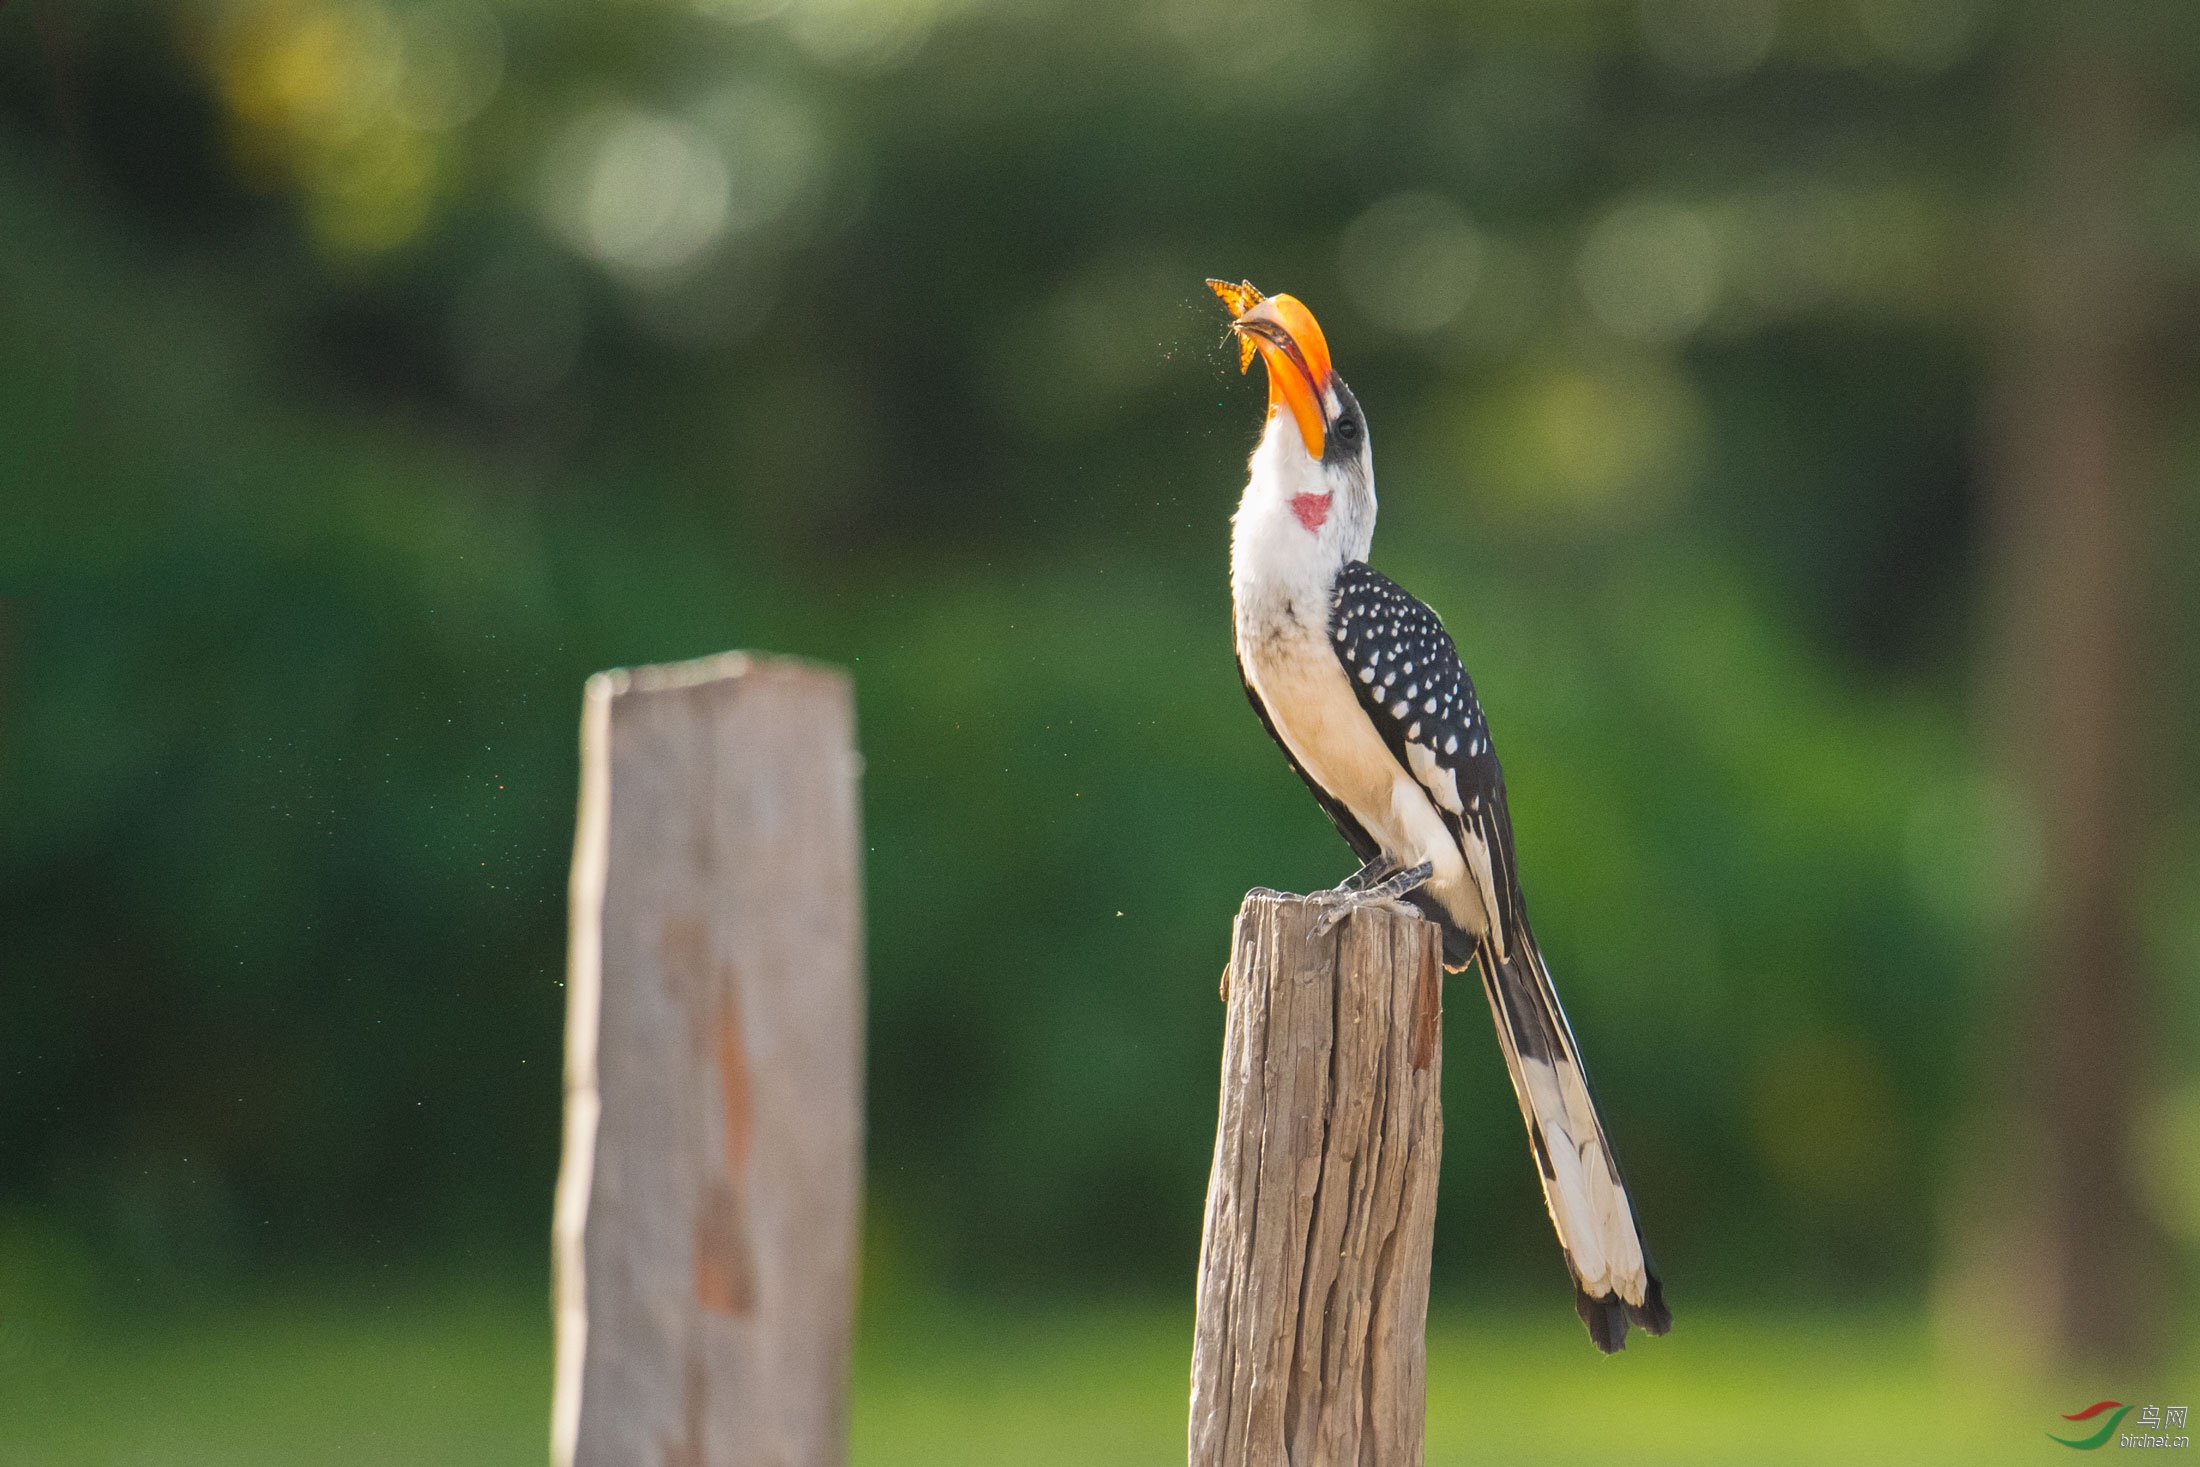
x,y
1340,903
1405,883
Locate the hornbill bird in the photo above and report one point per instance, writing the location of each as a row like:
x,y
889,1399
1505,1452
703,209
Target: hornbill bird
x,y
1363,689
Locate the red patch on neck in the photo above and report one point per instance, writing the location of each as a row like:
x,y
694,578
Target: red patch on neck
x,y
1312,510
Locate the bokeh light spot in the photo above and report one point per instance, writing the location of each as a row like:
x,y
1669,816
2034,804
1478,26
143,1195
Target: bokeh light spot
x,y
638,191
1574,441
453,63
860,35
1793,245
1710,39
352,103
1411,262
1649,270
774,151
1922,35
375,192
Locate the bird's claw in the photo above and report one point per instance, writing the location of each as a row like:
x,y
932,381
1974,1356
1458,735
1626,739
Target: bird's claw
x,y
1403,884
1341,902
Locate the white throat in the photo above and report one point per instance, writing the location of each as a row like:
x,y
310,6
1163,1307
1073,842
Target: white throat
x,y
1296,525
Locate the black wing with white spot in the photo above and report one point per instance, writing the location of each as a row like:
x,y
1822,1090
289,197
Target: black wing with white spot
x,y
1407,675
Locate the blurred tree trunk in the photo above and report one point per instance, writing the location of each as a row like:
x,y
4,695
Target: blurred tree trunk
x,y
2063,1254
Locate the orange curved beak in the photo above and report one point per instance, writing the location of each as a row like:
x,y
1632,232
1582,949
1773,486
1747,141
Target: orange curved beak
x,y
1292,347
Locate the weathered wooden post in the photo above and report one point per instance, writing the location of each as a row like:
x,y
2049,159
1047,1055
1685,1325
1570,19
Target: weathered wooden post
x,y
1314,1261
707,1202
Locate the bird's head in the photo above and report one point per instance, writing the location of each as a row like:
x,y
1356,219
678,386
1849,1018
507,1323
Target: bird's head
x,y
1313,465
1301,381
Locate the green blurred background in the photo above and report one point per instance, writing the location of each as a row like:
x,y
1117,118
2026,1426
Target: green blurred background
x,y
1790,405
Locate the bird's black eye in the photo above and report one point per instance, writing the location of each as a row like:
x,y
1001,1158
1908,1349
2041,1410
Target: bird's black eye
x,y
1348,428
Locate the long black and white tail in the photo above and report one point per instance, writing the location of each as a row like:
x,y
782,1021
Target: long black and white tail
x,y
1614,1279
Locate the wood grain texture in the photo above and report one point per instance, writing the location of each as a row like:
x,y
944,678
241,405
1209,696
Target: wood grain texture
x,y
1314,1259
708,1201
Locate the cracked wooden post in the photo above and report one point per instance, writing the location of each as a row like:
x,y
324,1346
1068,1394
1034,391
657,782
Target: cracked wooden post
x,y
1314,1260
707,1203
